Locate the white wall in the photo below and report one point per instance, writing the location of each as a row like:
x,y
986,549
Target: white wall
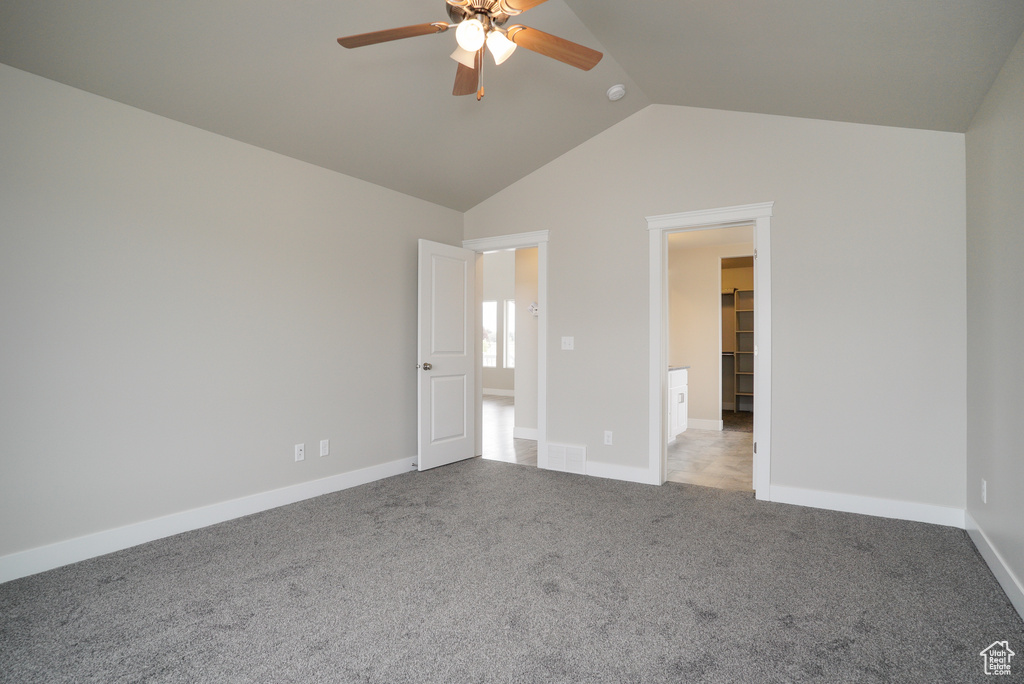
x,y
499,274
995,332
178,309
695,320
527,328
866,220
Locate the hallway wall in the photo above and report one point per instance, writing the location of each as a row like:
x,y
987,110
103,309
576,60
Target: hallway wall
x,y
526,341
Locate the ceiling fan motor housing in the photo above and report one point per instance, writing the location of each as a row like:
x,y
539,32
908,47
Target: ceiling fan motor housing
x,y
495,14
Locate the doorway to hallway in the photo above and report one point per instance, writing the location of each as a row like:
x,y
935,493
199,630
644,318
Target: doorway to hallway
x,y
508,337
512,422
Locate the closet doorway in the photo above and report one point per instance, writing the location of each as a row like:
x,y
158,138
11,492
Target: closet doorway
x,y
664,392
710,333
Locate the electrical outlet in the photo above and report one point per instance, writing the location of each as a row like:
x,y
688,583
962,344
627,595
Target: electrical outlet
x,y
608,437
568,343
325,447
984,492
300,452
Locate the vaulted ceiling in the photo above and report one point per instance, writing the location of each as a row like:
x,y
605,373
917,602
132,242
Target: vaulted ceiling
x,y
271,73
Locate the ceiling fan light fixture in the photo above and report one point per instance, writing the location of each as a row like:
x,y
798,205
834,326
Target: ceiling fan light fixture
x,y
464,57
470,35
479,24
500,46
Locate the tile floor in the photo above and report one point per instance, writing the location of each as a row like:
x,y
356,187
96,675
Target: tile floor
x,y
715,459
498,443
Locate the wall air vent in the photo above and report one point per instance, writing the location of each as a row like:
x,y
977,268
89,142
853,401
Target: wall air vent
x,y
568,458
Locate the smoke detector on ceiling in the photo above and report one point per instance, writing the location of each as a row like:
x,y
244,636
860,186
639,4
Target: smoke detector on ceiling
x,y
616,92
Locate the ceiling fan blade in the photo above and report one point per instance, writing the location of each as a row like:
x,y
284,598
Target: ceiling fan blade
x,y
392,34
467,80
561,49
518,6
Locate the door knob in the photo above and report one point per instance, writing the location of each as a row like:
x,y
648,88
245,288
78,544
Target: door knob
x,y
426,366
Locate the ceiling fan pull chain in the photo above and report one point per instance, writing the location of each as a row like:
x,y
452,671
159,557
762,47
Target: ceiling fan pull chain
x,y
480,66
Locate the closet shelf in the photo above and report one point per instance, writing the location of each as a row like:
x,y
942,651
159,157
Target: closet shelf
x,y
738,325
744,368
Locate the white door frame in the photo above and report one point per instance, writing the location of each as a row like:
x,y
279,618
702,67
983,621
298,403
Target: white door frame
x,y
538,239
759,216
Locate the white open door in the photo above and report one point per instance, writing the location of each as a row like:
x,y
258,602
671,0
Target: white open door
x,y
447,324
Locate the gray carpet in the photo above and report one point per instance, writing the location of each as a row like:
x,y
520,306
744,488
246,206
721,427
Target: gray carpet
x,y
490,572
738,421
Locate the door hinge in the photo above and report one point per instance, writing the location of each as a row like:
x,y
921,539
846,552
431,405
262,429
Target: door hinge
x,y
755,253
755,447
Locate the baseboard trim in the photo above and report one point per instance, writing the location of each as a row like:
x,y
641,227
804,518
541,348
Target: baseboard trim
x,y
499,392
1010,583
617,472
42,558
524,433
869,505
703,424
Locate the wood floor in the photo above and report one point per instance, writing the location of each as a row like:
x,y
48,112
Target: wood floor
x,y
715,459
498,443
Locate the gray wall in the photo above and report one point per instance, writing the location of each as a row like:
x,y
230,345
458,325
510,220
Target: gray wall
x,y
868,289
995,331
178,309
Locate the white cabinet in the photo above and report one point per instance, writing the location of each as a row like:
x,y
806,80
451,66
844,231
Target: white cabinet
x,y
676,402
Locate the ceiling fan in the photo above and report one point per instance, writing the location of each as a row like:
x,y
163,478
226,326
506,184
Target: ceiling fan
x,y
480,23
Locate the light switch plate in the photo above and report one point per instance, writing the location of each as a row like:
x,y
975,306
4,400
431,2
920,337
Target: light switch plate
x,y
568,343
